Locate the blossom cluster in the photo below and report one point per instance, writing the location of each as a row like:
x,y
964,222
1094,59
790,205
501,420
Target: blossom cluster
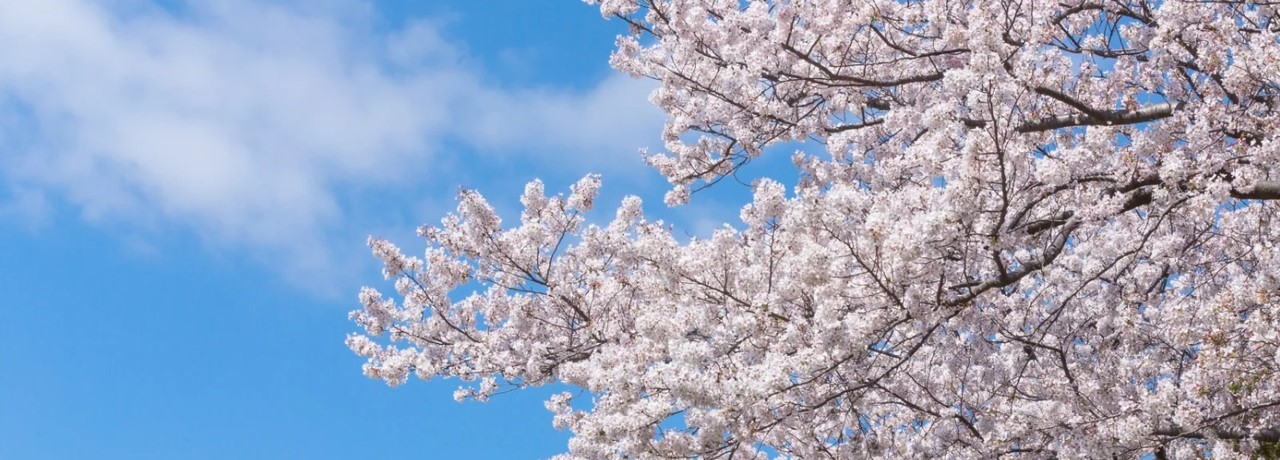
x,y
1040,229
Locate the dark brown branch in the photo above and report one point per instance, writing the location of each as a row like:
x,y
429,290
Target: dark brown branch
x,y
865,124
859,81
1068,100
1109,117
1007,278
1263,435
1262,190
1090,117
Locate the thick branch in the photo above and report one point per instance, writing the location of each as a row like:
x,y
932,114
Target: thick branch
x,y
1090,117
1109,117
1262,190
1263,435
1140,196
1008,278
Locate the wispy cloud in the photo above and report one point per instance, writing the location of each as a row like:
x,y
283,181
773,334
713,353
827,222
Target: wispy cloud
x,y
241,119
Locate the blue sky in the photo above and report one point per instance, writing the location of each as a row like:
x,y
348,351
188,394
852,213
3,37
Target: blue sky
x,y
186,187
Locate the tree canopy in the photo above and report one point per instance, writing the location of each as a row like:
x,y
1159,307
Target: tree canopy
x,y
1022,228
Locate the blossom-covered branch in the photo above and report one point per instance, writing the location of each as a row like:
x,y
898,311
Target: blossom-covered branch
x,y
1022,228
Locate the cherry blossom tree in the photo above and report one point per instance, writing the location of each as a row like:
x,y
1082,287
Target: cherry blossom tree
x,y
1022,229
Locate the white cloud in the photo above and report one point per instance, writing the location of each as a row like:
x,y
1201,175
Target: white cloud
x,y
241,119
597,121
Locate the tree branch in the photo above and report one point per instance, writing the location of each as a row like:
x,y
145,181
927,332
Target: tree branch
x,y
1261,190
1263,435
1102,117
1089,117
1007,278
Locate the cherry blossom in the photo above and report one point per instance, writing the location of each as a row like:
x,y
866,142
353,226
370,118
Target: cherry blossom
x,y
1027,229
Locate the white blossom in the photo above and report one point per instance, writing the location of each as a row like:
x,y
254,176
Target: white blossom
x,y
1021,229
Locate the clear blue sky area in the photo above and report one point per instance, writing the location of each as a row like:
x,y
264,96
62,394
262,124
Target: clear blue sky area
x,y
185,190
